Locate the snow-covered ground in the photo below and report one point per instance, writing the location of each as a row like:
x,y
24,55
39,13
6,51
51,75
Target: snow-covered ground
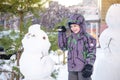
x,y
63,73
60,68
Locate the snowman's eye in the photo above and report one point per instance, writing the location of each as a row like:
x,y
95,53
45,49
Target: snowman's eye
x,y
33,35
44,37
28,33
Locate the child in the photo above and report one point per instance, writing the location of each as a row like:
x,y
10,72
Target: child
x,y
81,48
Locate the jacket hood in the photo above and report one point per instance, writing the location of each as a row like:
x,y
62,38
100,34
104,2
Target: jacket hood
x,y
79,20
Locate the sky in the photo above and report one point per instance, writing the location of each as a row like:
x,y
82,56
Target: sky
x,y
68,2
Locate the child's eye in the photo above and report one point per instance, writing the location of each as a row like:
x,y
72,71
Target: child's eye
x,y
44,37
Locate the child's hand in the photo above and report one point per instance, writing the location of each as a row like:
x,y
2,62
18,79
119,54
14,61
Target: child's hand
x,y
61,29
87,70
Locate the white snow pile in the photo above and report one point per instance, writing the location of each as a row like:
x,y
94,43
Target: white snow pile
x,y
6,67
35,63
108,59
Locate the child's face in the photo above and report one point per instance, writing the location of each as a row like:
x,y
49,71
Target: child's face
x,y
75,28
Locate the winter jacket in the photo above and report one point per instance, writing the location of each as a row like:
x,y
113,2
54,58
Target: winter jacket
x,y
81,46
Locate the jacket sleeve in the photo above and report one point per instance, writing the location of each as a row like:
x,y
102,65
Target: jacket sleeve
x,y
91,50
62,40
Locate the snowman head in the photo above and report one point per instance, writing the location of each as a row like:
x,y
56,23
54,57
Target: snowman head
x,y
113,16
36,40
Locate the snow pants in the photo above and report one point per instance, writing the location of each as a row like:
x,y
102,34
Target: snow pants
x,y
76,76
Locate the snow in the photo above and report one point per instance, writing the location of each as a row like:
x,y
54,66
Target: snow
x,y
35,63
108,62
63,73
7,67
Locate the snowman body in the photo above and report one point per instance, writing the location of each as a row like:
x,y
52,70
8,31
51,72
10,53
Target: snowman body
x,y
107,62
35,63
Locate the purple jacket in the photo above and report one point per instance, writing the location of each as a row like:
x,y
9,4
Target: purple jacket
x,y
81,47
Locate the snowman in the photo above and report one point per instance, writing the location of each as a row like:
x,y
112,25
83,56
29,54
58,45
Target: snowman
x,y
107,64
35,63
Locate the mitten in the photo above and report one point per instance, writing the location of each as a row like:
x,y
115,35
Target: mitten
x,y
61,29
87,70
1,49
